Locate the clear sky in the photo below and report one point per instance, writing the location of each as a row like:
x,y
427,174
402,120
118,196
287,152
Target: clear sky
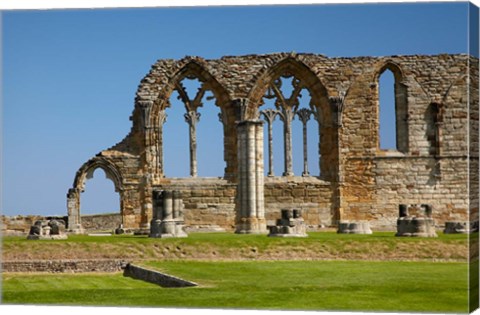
x,y
70,76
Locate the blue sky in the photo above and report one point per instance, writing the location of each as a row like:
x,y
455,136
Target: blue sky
x,y
70,76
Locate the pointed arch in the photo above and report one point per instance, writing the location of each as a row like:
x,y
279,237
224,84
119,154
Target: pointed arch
x,y
189,67
268,85
400,110
395,68
86,172
293,66
198,69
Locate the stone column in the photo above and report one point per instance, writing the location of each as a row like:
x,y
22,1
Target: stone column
x,y
177,204
250,202
287,115
336,107
73,210
438,119
146,202
168,225
259,178
304,116
149,154
162,120
269,115
192,118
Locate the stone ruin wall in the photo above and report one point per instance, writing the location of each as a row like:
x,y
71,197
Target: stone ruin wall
x,y
427,173
358,180
20,225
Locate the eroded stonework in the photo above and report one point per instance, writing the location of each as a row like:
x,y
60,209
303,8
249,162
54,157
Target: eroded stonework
x,y
435,161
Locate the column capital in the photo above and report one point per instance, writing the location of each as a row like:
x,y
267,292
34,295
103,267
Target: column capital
x,y
241,106
336,106
269,114
304,115
192,117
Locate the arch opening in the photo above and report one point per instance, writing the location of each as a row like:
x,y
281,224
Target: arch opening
x,y
193,131
387,119
287,99
392,110
99,195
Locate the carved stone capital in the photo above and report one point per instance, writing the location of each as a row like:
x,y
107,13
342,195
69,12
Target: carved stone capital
x,y
192,117
241,108
336,106
269,114
162,117
304,115
145,107
287,114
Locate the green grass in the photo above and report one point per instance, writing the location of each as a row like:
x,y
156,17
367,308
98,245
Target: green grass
x,y
319,245
297,285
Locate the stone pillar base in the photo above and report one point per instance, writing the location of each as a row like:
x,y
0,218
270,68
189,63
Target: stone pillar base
x,y
167,229
76,229
413,226
460,227
251,226
354,228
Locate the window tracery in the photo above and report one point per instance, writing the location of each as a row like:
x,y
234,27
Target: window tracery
x,y
287,106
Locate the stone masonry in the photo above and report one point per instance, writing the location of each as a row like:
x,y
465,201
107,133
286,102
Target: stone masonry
x,y
435,159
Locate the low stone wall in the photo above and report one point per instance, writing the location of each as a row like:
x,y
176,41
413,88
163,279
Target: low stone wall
x,y
309,194
156,277
72,266
209,202
20,225
101,222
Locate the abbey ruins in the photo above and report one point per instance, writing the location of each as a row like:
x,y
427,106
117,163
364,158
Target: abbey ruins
x,y
435,162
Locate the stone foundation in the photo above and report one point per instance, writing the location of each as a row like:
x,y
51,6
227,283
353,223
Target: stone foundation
x,y
354,228
54,266
417,227
291,224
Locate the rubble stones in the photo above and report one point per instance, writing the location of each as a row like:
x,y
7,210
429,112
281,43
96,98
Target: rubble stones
x,y
47,230
291,224
459,227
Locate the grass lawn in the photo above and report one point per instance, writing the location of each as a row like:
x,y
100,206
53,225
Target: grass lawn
x,y
230,246
294,285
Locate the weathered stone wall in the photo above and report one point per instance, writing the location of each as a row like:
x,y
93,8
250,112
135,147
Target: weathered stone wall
x,y
17,225
74,266
473,112
20,225
309,194
208,201
436,126
432,168
101,222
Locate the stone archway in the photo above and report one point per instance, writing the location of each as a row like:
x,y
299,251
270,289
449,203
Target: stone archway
x,y
83,174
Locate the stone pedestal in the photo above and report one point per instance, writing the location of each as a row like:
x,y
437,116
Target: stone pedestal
x,y
167,215
413,226
354,228
291,224
415,220
73,208
458,228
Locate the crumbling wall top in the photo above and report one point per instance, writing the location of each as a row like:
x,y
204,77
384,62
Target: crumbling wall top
x,y
239,74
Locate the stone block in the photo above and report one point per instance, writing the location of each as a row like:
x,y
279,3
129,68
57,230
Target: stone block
x,y
463,227
354,228
416,227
